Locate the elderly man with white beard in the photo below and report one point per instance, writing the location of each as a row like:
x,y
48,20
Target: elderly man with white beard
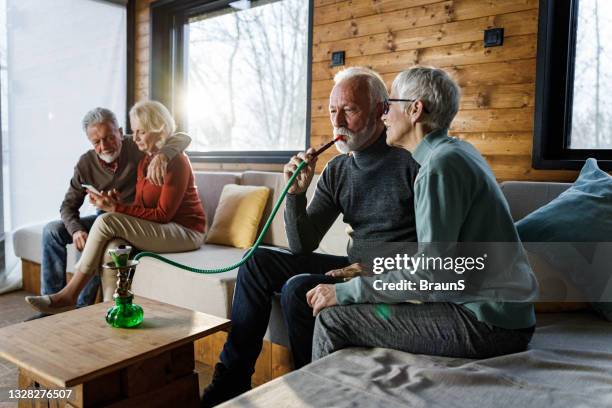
x,y
374,198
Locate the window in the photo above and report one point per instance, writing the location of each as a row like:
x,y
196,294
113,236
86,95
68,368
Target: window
x,y
573,119
236,76
58,60
54,78
592,107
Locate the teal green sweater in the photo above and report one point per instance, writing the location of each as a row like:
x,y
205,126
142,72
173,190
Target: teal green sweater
x,y
457,199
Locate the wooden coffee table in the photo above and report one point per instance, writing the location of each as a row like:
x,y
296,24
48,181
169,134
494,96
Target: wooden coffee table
x,y
78,353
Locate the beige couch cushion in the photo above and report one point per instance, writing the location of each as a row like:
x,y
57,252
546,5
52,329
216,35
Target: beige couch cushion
x,y
336,240
275,181
210,185
27,244
202,292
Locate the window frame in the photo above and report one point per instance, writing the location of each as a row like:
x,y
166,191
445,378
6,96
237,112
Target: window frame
x,y
554,91
168,69
2,235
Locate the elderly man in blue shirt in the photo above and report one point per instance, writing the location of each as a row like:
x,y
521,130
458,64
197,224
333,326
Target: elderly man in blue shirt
x,y
456,200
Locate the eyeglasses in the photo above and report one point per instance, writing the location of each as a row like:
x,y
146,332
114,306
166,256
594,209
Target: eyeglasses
x,y
387,104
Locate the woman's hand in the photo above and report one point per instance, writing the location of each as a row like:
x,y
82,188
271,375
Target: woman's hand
x,y
322,296
105,201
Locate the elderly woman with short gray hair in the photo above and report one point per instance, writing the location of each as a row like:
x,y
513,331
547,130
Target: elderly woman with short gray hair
x,y
456,199
166,218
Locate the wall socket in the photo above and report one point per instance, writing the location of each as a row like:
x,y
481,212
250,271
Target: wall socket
x,y
493,37
337,58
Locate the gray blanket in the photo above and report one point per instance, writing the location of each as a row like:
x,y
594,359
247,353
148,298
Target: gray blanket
x,y
569,364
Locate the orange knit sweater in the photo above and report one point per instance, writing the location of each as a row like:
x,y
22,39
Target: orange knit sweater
x,y
176,200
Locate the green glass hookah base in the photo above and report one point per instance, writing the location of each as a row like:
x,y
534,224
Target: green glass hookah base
x,y
124,314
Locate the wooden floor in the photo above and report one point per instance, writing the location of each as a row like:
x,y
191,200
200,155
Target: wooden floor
x,y
13,309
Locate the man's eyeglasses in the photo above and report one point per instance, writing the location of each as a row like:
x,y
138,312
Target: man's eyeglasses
x,y
387,104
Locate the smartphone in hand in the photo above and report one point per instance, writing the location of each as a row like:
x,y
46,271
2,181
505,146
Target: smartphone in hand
x,y
91,188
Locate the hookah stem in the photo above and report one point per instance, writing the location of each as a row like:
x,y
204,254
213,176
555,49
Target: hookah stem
x,y
261,235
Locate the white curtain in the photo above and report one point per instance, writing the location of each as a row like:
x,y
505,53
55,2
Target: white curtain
x,y
64,58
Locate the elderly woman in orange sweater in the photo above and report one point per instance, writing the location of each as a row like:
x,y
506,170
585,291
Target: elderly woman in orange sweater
x,y
169,218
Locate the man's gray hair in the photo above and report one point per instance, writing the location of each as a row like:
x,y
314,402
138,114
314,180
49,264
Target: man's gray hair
x,y
439,93
99,115
376,85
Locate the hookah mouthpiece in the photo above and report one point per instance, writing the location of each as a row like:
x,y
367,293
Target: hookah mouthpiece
x,y
327,145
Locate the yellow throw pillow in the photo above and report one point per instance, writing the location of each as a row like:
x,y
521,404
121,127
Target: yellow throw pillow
x,y
238,215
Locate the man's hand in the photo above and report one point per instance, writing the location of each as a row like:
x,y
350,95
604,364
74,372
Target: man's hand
x,y
79,238
157,169
348,272
320,297
302,181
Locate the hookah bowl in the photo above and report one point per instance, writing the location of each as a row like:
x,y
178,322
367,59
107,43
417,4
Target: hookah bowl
x,y
124,314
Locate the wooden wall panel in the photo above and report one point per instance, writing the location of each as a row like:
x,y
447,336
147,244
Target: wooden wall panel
x,y
457,32
142,52
498,83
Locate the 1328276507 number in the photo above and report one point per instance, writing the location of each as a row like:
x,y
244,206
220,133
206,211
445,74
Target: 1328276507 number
x,y
40,393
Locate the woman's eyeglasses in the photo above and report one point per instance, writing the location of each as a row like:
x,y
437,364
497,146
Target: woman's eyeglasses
x,y
387,104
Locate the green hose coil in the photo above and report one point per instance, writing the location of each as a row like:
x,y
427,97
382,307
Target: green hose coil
x,y
253,248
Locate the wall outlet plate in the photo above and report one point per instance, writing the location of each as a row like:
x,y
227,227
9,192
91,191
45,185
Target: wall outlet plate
x,y
493,37
337,58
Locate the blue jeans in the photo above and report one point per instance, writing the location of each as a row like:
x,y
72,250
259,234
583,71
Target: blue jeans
x,y
53,267
270,271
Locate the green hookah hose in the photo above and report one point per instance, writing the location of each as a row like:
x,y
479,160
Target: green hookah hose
x,y
259,238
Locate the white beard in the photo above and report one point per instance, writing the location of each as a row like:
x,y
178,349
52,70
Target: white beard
x,y
109,158
353,140
342,147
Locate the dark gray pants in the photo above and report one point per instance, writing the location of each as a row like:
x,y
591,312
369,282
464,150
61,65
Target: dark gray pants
x,y
442,329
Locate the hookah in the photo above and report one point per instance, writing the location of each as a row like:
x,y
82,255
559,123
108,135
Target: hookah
x,y
125,313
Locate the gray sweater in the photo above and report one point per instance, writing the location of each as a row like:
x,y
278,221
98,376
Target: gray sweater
x,y
372,189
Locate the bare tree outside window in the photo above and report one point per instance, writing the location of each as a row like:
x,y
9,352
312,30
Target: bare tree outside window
x,y
592,106
246,78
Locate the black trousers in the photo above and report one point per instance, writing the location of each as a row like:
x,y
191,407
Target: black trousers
x,y
270,271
